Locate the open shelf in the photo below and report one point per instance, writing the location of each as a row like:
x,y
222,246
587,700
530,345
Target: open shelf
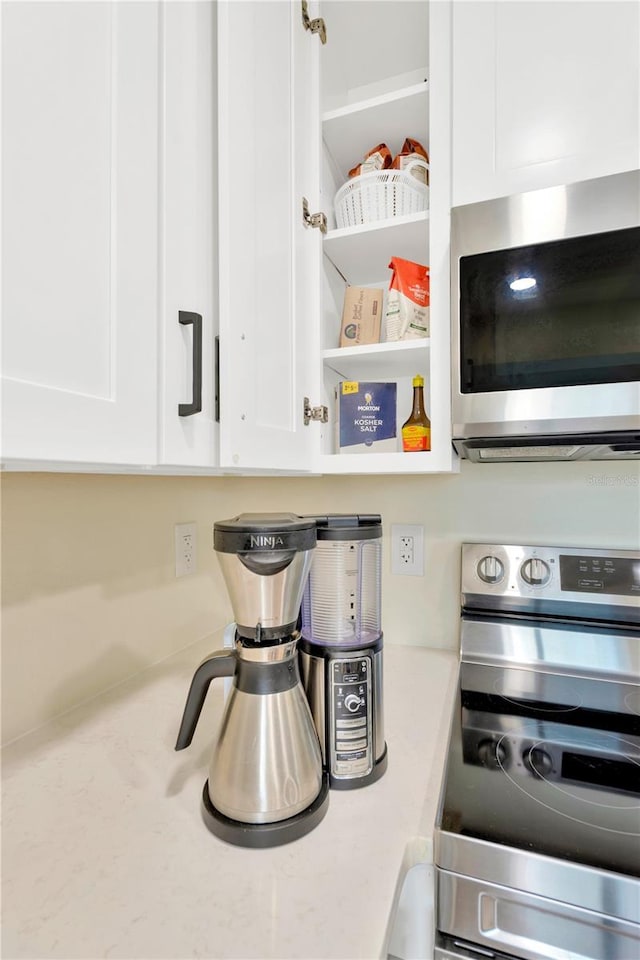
x,y
353,130
379,361
345,463
362,253
376,87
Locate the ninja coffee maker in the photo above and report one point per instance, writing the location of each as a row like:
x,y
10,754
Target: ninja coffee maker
x,y
341,648
266,784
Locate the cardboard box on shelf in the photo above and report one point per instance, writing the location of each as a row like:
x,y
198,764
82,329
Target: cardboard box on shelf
x,y
366,417
361,316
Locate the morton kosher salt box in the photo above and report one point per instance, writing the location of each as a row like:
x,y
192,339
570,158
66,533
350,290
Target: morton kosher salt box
x,y
366,417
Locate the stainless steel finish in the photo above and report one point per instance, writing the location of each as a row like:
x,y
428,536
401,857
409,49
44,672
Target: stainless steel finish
x,y
539,451
313,681
345,769
547,411
535,572
553,213
514,583
513,882
277,653
266,764
490,569
271,601
593,206
378,712
536,927
600,891
317,25
316,681
320,413
536,745
543,652
317,220
457,951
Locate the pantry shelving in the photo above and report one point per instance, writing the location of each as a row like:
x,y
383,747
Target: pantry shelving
x,y
373,362
373,93
361,254
383,463
395,115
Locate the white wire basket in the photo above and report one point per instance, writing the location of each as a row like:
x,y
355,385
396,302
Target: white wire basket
x,y
380,195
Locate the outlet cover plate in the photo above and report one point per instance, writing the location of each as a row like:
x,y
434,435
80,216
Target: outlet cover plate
x,y
400,565
185,537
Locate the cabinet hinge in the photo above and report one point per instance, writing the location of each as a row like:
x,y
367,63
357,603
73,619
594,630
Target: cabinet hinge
x,y
315,26
314,413
318,220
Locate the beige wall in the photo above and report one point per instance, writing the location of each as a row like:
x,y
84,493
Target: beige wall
x,y
88,588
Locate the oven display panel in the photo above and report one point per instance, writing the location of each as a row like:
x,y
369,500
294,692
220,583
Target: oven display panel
x,y
614,575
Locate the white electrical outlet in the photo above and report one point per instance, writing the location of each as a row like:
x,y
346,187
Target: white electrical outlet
x,y
407,549
185,549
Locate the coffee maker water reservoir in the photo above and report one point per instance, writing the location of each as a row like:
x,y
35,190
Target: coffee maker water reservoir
x,y
341,648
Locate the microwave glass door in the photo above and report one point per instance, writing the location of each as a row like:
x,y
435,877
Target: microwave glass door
x,y
554,314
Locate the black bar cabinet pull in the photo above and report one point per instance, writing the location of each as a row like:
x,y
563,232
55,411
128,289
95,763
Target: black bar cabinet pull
x,y
187,409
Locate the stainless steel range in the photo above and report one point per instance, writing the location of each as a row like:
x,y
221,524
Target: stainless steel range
x,y
537,845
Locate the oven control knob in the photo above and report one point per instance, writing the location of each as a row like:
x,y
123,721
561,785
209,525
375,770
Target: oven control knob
x,y
352,702
490,569
537,761
492,754
535,572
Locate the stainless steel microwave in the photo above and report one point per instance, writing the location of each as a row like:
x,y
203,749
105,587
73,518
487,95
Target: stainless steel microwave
x,y
546,323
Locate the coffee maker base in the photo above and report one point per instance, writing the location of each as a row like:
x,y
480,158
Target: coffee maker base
x,y
354,783
259,836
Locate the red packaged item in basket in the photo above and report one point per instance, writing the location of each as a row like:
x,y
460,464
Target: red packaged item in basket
x,y
408,303
414,159
378,158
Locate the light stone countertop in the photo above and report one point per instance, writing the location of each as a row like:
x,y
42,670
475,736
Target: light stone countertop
x,y
104,852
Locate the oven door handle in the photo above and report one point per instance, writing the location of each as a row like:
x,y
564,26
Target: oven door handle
x,y
523,924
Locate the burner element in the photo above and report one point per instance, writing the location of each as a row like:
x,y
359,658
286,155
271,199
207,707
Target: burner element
x,y
591,778
527,699
632,702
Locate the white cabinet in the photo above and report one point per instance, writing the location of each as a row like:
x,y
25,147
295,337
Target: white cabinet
x,y
155,160
543,94
282,283
269,263
187,235
109,219
80,186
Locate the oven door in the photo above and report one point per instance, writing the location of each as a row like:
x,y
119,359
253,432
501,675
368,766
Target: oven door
x,y
503,922
546,294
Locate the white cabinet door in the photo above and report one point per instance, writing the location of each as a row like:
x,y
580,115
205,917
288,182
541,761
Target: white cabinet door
x,y
80,188
187,227
543,94
269,262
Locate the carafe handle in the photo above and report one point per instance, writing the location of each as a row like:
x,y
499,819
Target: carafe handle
x,y
222,663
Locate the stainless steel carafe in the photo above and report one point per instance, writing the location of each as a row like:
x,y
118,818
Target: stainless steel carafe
x,y
266,784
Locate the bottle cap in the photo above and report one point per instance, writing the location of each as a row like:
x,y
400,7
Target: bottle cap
x,y
418,381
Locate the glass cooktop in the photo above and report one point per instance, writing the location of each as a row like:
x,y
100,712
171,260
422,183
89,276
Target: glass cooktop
x,y
553,774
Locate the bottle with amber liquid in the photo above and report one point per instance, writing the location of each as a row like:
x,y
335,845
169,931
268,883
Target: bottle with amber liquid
x,y
416,432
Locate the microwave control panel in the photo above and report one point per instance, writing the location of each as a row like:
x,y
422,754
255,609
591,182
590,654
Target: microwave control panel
x,y
350,736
